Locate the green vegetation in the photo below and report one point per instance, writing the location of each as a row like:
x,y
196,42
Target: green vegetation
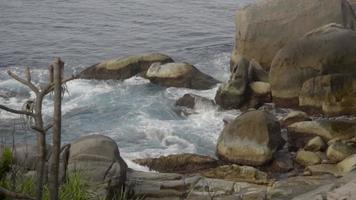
x,y
5,163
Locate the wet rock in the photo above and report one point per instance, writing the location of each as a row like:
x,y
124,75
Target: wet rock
x,y
339,150
191,100
293,117
179,163
233,93
307,158
98,159
301,132
282,162
323,51
123,68
237,173
179,75
260,36
315,144
330,94
251,139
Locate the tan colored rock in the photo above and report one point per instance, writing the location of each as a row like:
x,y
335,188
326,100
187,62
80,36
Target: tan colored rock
x,y
307,158
330,94
179,163
256,72
339,169
98,159
265,27
237,173
260,88
339,150
325,50
179,75
301,132
293,117
123,68
346,192
251,139
233,93
315,144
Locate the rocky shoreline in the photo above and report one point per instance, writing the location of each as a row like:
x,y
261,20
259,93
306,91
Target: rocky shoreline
x,y
297,56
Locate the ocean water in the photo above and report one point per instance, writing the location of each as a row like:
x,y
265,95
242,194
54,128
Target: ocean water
x,y
138,115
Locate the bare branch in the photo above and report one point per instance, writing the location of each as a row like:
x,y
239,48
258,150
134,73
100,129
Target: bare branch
x,y
20,112
28,74
37,129
14,195
48,127
49,88
23,81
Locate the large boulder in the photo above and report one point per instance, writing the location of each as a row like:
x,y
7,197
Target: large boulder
x,y
330,94
233,93
301,132
327,50
123,68
251,139
179,75
340,150
97,159
265,27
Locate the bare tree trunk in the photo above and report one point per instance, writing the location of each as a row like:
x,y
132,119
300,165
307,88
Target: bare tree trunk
x,y
41,143
57,119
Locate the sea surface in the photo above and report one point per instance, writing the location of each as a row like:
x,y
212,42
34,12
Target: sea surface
x,y
139,116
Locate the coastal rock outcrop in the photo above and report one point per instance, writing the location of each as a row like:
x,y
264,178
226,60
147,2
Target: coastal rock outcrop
x,y
251,139
98,159
123,68
326,50
340,150
179,75
278,22
330,94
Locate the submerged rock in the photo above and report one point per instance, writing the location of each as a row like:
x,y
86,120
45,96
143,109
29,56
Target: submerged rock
x,y
191,100
326,50
98,159
179,75
180,163
123,68
251,139
330,94
266,26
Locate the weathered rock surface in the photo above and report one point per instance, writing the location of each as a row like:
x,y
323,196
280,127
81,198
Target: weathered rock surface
x,y
339,169
330,94
278,22
233,93
179,75
325,50
191,100
301,132
340,150
307,158
256,73
237,173
293,117
315,144
179,163
251,139
123,68
282,162
97,158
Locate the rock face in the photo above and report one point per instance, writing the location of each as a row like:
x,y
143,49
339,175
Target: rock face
x,y
278,22
293,117
340,150
180,163
123,68
232,94
327,50
331,94
97,157
301,132
315,144
179,75
307,158
251,139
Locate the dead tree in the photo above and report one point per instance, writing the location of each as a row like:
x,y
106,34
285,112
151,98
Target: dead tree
x,y
34,111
